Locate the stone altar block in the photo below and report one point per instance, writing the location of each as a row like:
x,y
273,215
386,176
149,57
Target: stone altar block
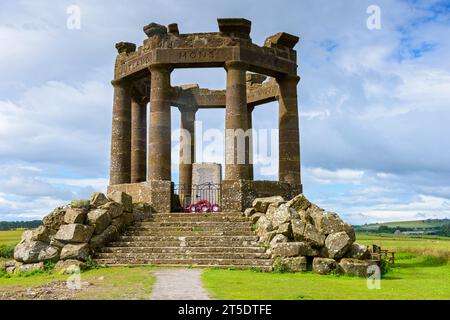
x,y
203,173
206,182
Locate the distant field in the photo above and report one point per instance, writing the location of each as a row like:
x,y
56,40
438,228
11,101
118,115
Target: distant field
x,y
10,237
417,224
424,245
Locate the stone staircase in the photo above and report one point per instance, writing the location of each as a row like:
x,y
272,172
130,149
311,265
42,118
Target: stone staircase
x,y
222,240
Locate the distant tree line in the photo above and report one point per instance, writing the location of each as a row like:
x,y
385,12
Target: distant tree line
x,y
13,225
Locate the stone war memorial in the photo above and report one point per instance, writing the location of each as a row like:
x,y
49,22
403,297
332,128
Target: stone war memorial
x,y
147,177
143,218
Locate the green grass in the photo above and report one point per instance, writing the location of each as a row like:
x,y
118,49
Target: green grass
x,y
8,240
434,246
107,283
10,237
413,277
422,271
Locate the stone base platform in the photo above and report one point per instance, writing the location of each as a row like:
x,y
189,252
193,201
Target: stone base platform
x,y
235,195
156,193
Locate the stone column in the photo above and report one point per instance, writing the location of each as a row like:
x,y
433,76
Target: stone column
x,y
121,134
159,160
250,141
288,125
187,150
138,140
236,123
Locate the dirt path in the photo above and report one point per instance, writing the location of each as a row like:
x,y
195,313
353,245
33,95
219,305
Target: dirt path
x,y
178,284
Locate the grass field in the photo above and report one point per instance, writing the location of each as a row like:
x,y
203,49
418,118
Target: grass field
x,y
413,277
422,271
434,246
104,283
417,224
10,237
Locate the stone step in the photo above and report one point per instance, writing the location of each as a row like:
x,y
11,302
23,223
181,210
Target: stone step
x,y
188,262
183,217
234,267
190,224
188,243
182,256
217,239
182,249
188,233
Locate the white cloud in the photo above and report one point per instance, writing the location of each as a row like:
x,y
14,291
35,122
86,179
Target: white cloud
x,y
374,108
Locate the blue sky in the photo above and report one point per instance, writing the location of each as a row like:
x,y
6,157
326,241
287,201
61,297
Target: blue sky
x,y
374,104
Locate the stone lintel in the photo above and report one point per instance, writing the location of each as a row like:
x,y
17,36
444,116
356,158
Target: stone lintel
x,y
258,94
259,60
255,78
192,95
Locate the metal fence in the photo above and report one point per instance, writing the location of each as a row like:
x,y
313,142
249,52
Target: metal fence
x,y
185,195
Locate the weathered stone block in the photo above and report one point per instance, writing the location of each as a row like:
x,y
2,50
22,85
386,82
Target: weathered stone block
x,y
75,251
261,204
279,238
299,203
285,229
286,249
267,237
354,267
69,266
29,267
337,244
282,215
306,232
99,219
263,226
50,253
114,209
329,222
75,215
98,199
74,233
81,204
358,251
154,29
42,233
128,218
124,199
55,218
306,250
28,251
141,211
255,217
249,212
324,265
294,264
101,240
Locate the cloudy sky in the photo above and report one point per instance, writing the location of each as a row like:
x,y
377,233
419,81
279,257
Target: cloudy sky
x,y
374,104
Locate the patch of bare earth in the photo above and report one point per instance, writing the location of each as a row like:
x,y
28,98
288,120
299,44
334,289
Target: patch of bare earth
x,y
57,290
